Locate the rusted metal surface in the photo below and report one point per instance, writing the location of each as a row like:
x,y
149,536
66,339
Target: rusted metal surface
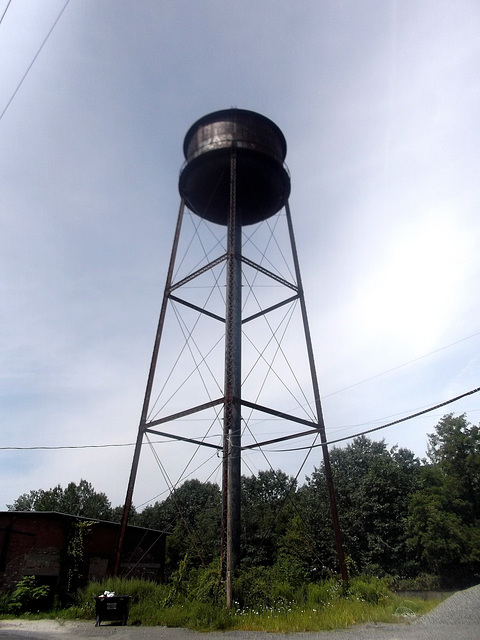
x,y
318,406
148,392
233,382
234,175
262,180
235,127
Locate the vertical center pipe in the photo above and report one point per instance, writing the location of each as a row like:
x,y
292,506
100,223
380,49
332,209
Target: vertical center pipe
x,y
232,410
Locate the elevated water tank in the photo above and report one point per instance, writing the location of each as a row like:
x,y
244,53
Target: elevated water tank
x,y
262,180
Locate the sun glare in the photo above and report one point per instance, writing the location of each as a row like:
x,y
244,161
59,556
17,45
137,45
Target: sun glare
x,y
411,297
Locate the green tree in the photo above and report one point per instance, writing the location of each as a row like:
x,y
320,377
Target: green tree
x,y
117,515
267,500
373,487
455,449
37,500
76,499
444,515
438,532
192,516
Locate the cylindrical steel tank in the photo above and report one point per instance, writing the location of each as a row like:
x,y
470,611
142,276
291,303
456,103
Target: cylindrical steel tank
x,y
262,180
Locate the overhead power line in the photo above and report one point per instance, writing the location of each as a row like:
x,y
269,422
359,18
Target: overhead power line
x,y
80,446
400,366
383,426
5,11
355,435
34,58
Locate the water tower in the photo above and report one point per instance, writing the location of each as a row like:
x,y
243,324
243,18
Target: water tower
x,y
234,180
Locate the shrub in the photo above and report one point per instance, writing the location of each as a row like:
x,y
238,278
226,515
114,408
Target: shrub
x,y
323,593
140,591
4,603
369,589
206,585
258,588
28,596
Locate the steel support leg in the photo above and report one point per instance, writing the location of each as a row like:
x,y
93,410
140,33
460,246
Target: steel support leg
x,y
148,393
318,405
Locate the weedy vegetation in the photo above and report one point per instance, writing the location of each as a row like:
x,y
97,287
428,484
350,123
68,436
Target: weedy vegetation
x,y
195,599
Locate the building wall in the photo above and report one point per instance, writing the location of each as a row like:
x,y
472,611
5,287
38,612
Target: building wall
x,y
36,543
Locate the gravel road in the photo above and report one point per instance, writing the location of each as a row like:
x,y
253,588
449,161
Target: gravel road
x,y
457,618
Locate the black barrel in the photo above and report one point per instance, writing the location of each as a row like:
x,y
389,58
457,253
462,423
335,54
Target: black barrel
x,y
262,180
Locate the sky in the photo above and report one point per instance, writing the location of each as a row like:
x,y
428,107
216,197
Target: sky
x,y
379,102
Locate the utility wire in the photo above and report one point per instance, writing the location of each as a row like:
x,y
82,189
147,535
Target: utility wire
x,y
355,435
34,58
5,11
84,446
173,489
383,426
131,444
399,366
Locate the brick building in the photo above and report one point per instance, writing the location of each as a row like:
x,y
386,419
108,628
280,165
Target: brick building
x,y
40,543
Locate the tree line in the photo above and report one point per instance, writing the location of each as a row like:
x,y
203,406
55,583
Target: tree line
x,y
400,516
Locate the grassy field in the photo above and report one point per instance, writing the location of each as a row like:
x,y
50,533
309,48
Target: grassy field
x,y
318,607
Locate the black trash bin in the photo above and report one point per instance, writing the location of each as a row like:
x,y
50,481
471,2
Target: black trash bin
x,y
112,608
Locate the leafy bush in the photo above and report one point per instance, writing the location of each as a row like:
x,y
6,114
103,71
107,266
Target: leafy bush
x,y
28,596
263,588
4,603
369,589
289,570
323,593
258,588
141,591
267,603
206,585
422,582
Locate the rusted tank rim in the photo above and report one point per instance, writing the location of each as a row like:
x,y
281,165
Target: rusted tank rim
x,y
233,115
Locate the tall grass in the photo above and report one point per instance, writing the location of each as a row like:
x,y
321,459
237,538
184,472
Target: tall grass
x,y
197,602
151,605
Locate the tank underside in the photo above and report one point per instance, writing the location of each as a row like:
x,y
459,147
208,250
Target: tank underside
x,y
262,183
262,186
